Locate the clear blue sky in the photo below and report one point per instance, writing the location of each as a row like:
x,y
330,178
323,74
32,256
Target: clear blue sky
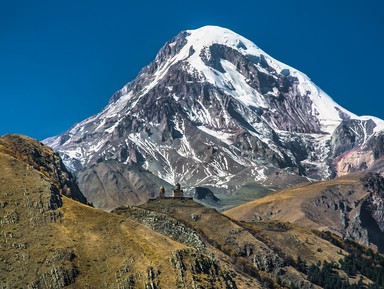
x,y
60,61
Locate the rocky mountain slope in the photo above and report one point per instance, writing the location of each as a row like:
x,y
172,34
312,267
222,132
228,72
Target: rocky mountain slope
x,y
49,240
40,158
214,110
275,254
350,206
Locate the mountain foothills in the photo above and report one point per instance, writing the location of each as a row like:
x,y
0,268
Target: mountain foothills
x,y
351,206
215,111
52,238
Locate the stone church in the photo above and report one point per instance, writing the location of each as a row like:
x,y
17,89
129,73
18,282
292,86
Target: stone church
x,y
177,192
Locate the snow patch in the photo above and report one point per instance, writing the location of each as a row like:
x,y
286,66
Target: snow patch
x,y
221,135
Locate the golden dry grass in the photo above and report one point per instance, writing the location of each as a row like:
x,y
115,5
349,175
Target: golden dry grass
x,y
287,205
40,245
297,241
105,243
102,243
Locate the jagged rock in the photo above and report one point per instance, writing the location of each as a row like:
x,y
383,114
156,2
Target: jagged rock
x,y
201,266
372,211
349,134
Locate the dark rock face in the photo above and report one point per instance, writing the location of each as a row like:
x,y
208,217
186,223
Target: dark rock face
x,y
358,218
373,209
358,151
205,194
350,134
204,112
376,145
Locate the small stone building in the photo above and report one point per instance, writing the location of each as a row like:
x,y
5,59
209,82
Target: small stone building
x,y
177,192
162,193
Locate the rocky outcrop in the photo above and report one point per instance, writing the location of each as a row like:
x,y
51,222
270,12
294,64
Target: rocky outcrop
x,y
349,134
356,150
200,266
206,196
44,160
59,272
163,224
353,161
372,212
190,269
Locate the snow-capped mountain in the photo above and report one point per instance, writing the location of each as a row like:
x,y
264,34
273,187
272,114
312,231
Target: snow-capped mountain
x,y
215,110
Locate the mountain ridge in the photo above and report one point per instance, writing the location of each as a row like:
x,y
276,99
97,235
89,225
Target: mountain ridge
x,y
214,110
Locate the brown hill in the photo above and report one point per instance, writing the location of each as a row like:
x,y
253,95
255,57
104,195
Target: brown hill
x,y
347,206
270,252
36,156
48,240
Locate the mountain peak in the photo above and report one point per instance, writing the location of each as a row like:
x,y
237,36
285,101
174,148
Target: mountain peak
x,y
208,35
202,53
213,110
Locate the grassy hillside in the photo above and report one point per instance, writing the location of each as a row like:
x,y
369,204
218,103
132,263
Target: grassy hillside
x,y
51,238
287,204
48,240
269,251
348,206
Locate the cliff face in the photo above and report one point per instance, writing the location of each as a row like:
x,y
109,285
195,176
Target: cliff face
x,y
354,151
373,209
